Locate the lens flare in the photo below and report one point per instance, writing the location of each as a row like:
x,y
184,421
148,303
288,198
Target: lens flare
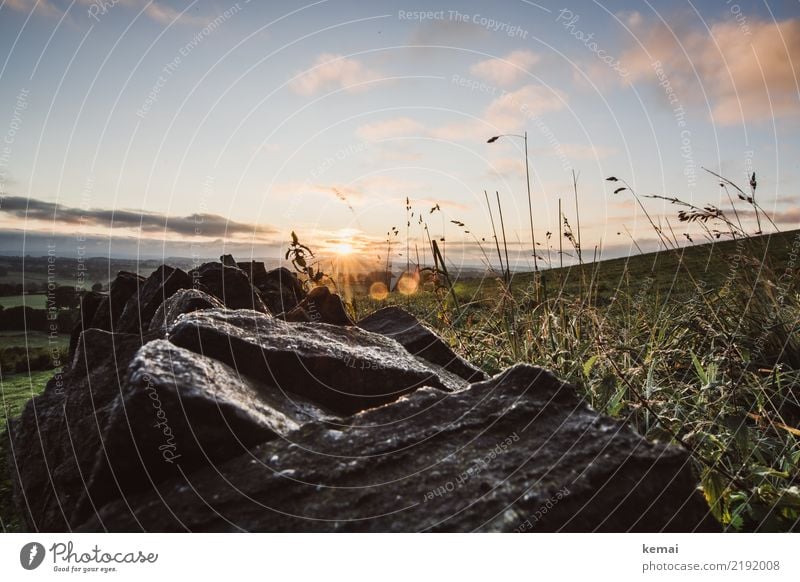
x,y
378,291
408,284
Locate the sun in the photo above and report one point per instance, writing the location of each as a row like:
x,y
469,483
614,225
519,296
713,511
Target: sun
x,y
343,248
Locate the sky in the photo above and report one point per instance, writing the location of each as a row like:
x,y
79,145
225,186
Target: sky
x,y
161,128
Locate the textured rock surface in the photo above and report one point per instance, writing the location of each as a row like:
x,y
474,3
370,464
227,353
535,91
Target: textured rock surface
x,y
142,305
400,325
320,306
344,369
59,432
520,452
178,411
89,302
121,289
279,288
230,285
183,301
222,419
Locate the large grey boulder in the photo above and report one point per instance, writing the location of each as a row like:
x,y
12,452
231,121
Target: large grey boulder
x,y
397,323
183,301
56,438
149,296
110,309
229,284
520,452
344,369
178,411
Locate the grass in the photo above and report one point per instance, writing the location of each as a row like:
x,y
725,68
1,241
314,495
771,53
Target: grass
x,y
15,391
697,346
31,351
35,300
33,339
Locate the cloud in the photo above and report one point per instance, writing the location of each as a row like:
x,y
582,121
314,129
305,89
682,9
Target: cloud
x,y
575,151
788,216
447,33
507,70
42,7
509,113
200,224
165,15
748,70
156,11
512,111
507,167
397,127
332,71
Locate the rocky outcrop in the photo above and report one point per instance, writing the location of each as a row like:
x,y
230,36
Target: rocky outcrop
x,y
398,324
343,369
159,286
88,304
110,309
280,288
178,411
228,284
320,306
183,301
217,419
59,433
520,452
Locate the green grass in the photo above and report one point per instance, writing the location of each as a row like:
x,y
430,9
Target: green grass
x,y
699,347
15,391
36,301
33,339
32,351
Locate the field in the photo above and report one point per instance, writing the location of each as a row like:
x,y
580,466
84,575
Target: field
x,y
15,391
35,301
697,346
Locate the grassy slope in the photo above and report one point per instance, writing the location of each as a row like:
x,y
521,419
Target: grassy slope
x,y
709,262
15,391
36,301
708,336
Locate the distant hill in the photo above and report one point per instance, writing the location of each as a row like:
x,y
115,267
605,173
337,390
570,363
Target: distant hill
x,y
680,270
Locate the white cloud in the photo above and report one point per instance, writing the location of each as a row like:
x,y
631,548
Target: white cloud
x,y
507,167
748,71
156,11
399,126
509,113
516,109
42,7
332,71
507,70
439,33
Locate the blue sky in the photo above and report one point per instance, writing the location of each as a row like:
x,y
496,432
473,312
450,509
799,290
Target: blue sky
x,y
324,117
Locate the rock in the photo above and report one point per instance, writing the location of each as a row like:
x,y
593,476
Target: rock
x,y
228,260
182,301
230,285
158,287
280,288
89,302
59,432
320,306
121,289
179,411
344,369
400,325
520,452
255,271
